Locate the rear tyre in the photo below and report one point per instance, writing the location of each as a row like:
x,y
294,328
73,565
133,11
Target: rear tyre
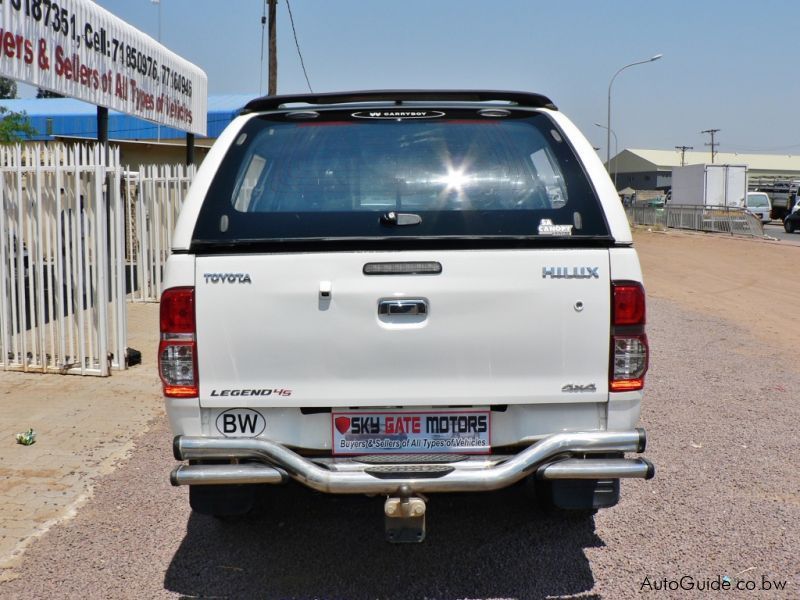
x,y
788,226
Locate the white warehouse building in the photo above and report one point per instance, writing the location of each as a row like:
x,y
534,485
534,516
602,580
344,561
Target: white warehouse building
x,y
652,169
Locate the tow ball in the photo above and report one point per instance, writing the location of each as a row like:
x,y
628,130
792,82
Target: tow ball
x,y
404,519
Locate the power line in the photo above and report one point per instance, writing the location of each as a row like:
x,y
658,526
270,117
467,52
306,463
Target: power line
x,y
713,144
682,150
752,149
296,43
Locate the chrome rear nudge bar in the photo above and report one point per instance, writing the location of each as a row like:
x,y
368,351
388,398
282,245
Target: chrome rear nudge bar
x,y
550,458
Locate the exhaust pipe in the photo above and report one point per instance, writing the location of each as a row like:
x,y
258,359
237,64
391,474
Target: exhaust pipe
x,y
226,474
608,468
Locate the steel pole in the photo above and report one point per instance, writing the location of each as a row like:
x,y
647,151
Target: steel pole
x,y
610,84
616,149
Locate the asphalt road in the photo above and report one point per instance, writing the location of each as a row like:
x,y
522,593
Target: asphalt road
x,y
721,416
775,229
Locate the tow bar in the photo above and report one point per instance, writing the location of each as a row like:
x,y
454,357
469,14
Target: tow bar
x,y
404,517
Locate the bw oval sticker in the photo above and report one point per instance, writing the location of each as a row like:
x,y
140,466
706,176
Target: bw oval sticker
x,y
241,422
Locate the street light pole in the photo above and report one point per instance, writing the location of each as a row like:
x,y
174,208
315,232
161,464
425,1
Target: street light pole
x,y
616,151
611,83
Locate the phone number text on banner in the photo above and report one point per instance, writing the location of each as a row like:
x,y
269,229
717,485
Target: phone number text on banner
x,y
78,49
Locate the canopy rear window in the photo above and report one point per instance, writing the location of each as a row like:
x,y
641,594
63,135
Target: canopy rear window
x,y
345,177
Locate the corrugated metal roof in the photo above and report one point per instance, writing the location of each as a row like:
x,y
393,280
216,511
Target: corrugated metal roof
x,y
667,159
70,117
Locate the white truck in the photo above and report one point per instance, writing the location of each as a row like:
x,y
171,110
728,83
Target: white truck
x,y
709,185
399,293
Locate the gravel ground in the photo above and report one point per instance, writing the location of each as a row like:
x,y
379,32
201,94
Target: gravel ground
x,y
722,419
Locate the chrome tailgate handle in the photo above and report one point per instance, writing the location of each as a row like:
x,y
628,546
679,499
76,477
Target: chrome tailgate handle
x,y
404,306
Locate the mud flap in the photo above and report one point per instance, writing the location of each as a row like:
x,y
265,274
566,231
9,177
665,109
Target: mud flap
x,y
578,494
222,500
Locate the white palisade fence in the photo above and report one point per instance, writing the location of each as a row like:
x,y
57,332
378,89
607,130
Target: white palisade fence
x,y
78,237
154,196
62,262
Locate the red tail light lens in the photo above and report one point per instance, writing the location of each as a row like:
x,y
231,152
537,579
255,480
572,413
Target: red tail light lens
x,y
629,348
629,303
177,351
177,310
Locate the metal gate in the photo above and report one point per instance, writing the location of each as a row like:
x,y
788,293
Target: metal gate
x,y
154,196
713,219
62,267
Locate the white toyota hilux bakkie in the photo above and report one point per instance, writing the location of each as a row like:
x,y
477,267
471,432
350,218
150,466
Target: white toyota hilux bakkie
x,y
398,293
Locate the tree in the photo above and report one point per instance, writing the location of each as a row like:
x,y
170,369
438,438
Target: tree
x,y
14,126
42,93
8,89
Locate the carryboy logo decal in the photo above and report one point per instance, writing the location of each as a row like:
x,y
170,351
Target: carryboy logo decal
x,y
398,114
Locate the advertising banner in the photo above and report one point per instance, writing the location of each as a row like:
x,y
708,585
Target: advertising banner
x,y
78,49
404,432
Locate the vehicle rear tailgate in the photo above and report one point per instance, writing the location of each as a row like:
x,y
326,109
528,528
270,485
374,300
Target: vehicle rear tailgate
x,y
499,329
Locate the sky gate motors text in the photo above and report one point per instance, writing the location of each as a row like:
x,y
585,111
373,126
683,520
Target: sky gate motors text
x,y
398,424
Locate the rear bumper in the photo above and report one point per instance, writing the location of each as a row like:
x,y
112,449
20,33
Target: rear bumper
x,y
558,456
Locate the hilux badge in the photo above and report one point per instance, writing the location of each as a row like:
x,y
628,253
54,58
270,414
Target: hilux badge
x,y
570,273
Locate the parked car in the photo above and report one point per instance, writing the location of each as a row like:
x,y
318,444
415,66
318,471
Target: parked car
x,y
657,202
758,203
791,222
401,293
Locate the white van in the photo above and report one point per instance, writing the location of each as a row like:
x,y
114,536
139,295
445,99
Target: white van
x,y
759,204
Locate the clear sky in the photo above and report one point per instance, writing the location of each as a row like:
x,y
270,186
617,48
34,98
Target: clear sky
x,y
727,65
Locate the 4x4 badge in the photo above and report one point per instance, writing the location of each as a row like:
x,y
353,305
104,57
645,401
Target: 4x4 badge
x,y
574,387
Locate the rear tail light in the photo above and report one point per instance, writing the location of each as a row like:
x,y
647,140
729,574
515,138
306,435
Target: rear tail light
x,y
177,351
629,350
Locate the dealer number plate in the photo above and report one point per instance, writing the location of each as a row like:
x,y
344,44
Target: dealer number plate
x,y
362,432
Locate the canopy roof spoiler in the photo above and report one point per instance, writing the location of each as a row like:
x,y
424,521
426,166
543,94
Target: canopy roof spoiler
x,y
526,99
